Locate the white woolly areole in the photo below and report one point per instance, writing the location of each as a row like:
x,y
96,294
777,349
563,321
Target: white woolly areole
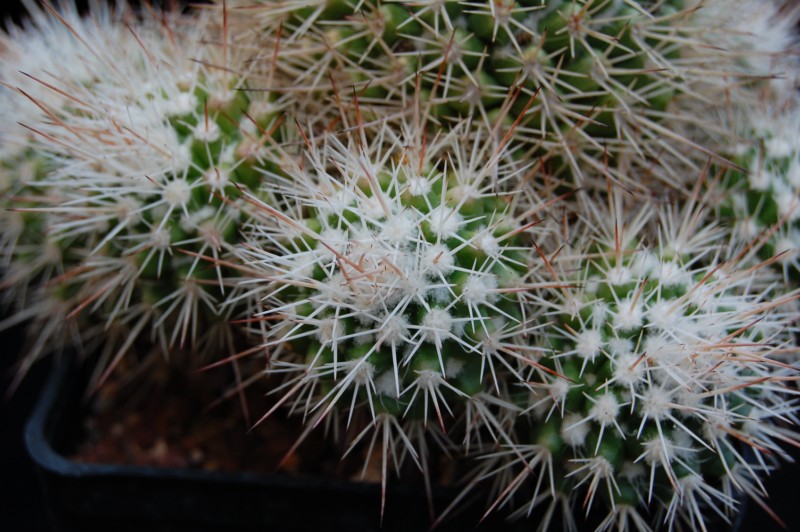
x,y
573,432
206,132
715,423
177,192
439,295
221,99
436,324
656,403
645,263
601,467
780,147
479,289
605,409
629,370
372,209
588,344
619,275
628,315
620,346
599,314
160,239
491,343
591,285
211,234
418,186
259,109
127,207
394,330
428,378
664,314
444,221
437,260
197,217
180,157
559,390
631,471
181,104
690,399
364,339
657,347
335,242
572,305
761,179
462,193
788,203
702,295
755,421
367,305
333,290
654,453
330,201
414,287
487,243
385,384
789,246
453,367
670,273
217,178
363,243
746,228
364,373
329,331
250,150
400,229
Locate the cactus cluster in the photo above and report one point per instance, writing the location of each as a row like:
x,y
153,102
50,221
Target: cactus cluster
x,y
520,234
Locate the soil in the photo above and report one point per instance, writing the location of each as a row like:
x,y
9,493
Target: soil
x,y
178,420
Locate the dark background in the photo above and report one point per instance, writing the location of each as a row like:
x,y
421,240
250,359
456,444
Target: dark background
x,y
22,505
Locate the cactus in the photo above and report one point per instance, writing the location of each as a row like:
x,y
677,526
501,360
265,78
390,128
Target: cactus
x,y
761,198
761,187
394,276
133,158
410,247
42,47
596,83
675,356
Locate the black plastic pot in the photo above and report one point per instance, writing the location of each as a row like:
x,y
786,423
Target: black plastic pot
x,y
85,497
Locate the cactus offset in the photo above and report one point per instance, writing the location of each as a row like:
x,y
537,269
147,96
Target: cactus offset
x,y
674,356
397,273
133,159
